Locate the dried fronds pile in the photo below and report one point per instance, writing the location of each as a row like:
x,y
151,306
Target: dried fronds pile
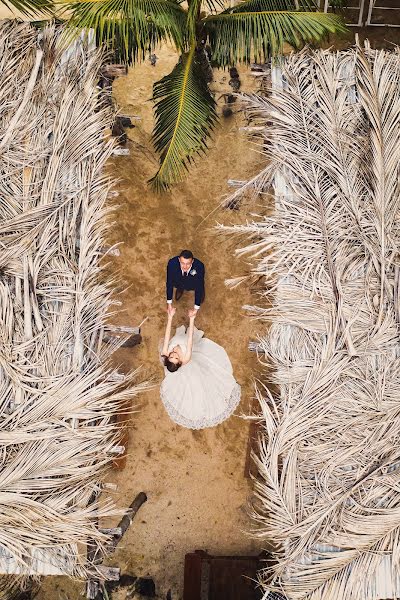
x,y
328,492
59,393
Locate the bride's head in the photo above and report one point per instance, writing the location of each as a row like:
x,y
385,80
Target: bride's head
x,y
172,361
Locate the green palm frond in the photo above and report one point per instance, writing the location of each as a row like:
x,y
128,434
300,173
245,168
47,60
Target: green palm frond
x,y
196,8
193,16
271,5
185,115
30,7
195,11
129,27
256,35
213,5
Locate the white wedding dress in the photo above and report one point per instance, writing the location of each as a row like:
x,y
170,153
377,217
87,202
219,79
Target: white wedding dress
x,y
202,393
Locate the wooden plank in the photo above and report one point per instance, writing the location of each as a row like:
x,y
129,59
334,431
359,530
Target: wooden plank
x,y
92,589
116,70
91,548
109,486
255,347
233,578
222,577
121,329
192,575
109,573
130,341
116,450
116,531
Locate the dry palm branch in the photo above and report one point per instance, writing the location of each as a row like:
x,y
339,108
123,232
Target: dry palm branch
x,y
59,393
328,491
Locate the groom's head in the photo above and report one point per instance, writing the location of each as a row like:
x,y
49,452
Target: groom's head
x,y
186,260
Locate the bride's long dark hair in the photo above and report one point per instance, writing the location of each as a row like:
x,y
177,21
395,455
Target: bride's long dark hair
x,y
171,367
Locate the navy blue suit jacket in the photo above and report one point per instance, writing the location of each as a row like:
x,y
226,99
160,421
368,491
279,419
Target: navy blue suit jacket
x,y
185,282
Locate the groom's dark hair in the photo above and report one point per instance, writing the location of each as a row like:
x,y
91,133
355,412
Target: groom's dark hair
x,y
186,254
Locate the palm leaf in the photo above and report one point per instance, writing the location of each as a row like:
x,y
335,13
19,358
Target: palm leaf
x,y
185,115
30,7
271,5
129,28
212,5
193,16
195,10
256,35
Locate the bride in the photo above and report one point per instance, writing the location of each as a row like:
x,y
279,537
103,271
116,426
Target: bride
x,y
199,389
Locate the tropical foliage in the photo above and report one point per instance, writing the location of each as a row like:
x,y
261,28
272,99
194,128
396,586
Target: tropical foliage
x,y
328,492
185,109
30,8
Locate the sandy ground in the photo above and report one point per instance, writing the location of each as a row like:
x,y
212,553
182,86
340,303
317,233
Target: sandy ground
x,y
197,491
194,480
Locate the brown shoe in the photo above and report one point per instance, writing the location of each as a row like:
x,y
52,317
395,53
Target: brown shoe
x,y
178,294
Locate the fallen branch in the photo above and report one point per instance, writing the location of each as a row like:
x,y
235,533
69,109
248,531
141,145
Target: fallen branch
x,y
127,519
111,573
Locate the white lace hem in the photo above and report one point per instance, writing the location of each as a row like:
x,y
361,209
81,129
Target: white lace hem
x,y
205,422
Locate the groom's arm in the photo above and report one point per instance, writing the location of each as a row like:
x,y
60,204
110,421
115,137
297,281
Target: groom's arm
x,y
169,286
199,291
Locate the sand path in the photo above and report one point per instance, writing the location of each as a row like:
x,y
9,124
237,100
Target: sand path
x,y
197,492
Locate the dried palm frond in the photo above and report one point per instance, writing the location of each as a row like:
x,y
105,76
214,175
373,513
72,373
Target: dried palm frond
x,y
328,491
59,394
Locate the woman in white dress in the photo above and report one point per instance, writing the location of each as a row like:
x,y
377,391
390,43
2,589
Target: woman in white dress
x,y
199,389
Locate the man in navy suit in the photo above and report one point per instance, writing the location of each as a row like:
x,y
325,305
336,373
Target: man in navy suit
x,y
184,272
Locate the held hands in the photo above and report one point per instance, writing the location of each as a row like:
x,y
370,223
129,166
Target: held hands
x,y
171,310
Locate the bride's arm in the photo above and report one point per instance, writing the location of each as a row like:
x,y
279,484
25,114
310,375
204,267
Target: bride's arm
x,y
164,351
188,354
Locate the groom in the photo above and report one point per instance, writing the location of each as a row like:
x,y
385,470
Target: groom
x,y
184,272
